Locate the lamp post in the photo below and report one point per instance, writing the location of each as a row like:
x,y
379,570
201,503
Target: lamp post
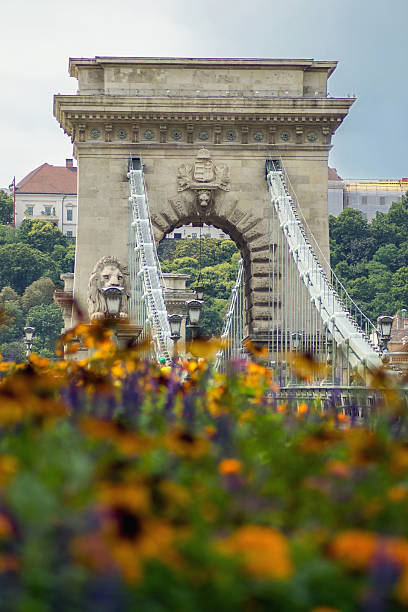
x,y
384,327
175,329
28,339
113,298
194,311
296,341
199,292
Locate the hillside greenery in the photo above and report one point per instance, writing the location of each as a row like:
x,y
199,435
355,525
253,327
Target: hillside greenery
x,y
214,263
371,259
32,258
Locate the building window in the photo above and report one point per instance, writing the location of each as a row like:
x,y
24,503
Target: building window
x,y
177,235
363,199
194,235
47,211
69,214
69,234
382,200
29,211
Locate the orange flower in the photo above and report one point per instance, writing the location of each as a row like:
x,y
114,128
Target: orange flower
x,y
302,408
263,551
338,468
230,466
281,408
397,493
354,548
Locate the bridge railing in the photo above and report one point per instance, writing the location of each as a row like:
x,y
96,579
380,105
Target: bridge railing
x,y
233,332
313,311
147,305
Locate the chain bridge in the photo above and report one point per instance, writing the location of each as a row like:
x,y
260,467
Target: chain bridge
x,y
236,143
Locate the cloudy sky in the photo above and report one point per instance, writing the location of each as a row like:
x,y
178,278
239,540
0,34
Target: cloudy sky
x,y
367,37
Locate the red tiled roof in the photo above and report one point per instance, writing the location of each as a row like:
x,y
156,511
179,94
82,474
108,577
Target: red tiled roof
x,y
333,176
49,179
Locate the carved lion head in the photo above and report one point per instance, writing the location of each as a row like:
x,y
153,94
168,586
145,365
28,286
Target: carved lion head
x,y
108,272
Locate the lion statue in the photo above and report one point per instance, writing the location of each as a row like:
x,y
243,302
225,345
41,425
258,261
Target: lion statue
x,y
108,273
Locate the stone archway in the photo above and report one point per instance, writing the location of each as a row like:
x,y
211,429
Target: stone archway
x,y
246,229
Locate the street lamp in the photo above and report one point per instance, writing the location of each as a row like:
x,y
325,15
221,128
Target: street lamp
x,y
199,292
28,339
296,340
194,311
113,298
384,328
175,329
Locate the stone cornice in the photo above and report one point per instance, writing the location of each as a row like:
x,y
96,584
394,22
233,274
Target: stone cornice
x,y
78,114
177,62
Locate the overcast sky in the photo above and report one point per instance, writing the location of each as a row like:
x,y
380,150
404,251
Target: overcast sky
x,y
367,37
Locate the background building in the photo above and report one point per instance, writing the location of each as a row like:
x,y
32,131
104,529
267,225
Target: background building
x,y
369,196
49,193
191,231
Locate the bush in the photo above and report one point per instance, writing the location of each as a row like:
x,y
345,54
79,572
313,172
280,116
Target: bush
x,y
174,488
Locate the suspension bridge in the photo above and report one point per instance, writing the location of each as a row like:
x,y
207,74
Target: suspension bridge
x,y
240,144
310,311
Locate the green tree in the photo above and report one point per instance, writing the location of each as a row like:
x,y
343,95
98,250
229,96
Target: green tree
x,y
40,291
64,257
41,235
8,234
21,264
13,351
389,255
13,326
48,322
399,287
211,320
6,208
7,294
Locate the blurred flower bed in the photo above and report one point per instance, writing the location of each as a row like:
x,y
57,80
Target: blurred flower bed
x,y
126,485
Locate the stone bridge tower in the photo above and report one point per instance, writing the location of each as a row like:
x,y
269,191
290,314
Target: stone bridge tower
x,y
204,128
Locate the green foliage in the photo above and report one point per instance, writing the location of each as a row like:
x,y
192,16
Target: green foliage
x,y
6,208
219,262
39,292
371,259
64,257
41,235
12,328
21,264
48,322
13,351
8,234
7,294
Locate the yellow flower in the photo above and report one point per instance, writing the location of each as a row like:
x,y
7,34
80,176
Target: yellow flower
x,y
186,444
263,551
133,496
230,466
8,467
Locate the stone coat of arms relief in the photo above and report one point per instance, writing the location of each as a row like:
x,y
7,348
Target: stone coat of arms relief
x,y
203,178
